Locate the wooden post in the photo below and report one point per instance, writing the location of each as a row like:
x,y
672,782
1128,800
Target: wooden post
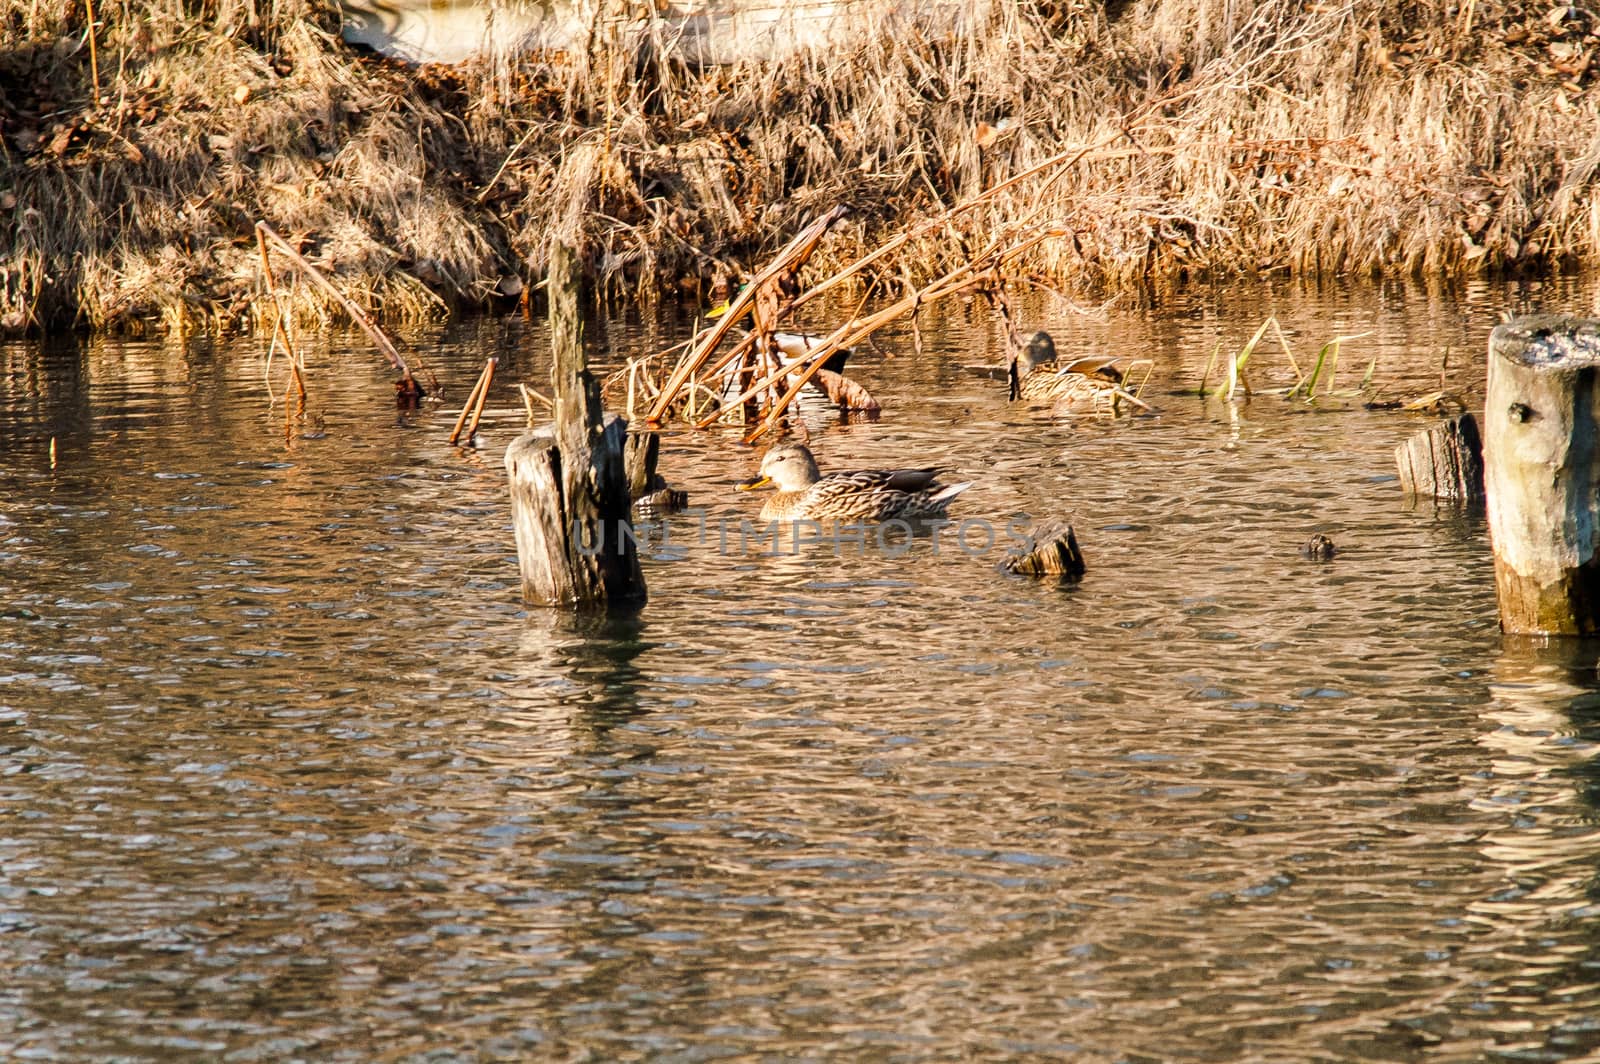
x,y
569,487
1542,473
1055,553
1444,462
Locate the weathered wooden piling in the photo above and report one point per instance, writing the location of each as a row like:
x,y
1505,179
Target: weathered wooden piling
x,y
1443,462
1054,553
1542,473
569,482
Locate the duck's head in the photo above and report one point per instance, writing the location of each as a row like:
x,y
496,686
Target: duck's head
x,y
1040,350
790,466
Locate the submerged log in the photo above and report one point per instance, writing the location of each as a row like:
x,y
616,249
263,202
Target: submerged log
x,y
1542,473
569,485
1444,462
1055,553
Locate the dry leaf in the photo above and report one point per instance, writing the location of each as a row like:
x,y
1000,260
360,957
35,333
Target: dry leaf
x,y
241,94
845,393
61,140
987,134
1435,403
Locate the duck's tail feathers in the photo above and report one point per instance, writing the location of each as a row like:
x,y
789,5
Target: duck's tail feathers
x,y
948,492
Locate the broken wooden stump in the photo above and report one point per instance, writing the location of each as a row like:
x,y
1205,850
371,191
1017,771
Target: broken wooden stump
x,y
569,483
1542,473
642,452
1443,462
1054,553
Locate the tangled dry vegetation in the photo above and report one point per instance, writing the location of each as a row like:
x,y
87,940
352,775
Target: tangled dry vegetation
x,y
1207,138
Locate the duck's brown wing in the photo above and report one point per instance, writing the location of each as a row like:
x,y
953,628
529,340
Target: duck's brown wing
x,y
1040,387
865,480
911,479
1102,366
867,494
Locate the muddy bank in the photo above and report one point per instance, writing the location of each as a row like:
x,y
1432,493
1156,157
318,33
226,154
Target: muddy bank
x,y
1216,138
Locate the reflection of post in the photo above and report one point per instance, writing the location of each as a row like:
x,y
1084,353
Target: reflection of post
x,y
1542,473
1545,843
569,489
601,664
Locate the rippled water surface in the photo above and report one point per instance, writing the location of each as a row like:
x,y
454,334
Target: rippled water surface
x,y
288,772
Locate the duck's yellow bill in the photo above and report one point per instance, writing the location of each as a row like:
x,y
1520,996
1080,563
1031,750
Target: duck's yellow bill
x,y
719,310
752,484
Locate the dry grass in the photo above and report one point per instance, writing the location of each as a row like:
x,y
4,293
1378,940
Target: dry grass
x,y
1219,137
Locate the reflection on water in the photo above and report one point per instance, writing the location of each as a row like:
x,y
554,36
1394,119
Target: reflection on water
x,y
287,771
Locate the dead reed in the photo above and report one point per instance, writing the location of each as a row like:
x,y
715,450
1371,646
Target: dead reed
x,y
472,409
1209,138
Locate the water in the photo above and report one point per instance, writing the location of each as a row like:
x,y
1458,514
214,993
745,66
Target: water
x,y
287,772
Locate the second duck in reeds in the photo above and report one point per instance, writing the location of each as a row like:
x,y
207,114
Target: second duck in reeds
x,y
805,494
1083,386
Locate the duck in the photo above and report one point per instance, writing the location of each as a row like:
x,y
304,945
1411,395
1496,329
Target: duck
x,y
1083,386
875,495
794,347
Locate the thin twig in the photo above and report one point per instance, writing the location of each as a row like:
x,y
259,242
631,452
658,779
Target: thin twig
x,y
357,315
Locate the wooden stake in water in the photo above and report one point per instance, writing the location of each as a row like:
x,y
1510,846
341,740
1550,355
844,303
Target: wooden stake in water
x,y
570,508
1054,553
1443,462
1541,458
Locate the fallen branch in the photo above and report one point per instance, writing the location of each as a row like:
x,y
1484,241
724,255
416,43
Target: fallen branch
x,y
357,315
280,327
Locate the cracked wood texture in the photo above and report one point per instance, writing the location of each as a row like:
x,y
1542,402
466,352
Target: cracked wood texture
x,y
1542,473
1444,462
569,486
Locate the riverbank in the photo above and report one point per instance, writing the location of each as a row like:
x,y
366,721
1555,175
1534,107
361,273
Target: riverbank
x,y
1216,139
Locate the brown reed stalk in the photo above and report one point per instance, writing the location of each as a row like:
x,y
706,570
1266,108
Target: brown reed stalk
x,y
94,58
280,324
793,255
483,398
967,275
529,396
474,401
955,281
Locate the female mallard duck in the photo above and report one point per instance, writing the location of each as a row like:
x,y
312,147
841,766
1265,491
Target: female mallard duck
x,y
1085,386
804,494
